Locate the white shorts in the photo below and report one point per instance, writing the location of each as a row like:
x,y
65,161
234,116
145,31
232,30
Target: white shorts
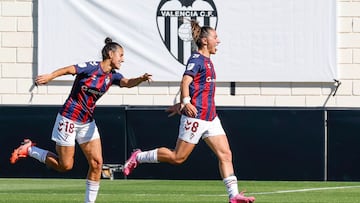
x,y
192,129
66,131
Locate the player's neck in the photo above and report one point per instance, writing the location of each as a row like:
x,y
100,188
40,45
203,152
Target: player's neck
x,y
204,52
105,66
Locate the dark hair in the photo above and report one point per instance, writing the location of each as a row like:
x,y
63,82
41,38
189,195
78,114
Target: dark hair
x,y
109,46
199,32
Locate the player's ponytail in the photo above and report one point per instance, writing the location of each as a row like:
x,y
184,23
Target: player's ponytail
x,y
198,33
195,30
109,46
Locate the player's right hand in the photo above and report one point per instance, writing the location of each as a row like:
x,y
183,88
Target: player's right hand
x,y
190,110
42,79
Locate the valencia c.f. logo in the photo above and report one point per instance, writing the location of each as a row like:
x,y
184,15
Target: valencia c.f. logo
x,y
173,23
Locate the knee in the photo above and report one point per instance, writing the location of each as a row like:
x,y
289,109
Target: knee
x,y
178,160
65,167
96,164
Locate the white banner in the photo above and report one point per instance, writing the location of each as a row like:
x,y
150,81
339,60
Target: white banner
x,y
261,40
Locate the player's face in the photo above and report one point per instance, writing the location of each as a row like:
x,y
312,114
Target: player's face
x,y
212,42
117,58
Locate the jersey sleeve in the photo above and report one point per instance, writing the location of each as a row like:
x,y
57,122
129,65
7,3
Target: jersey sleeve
x,y
117,78
192,67
86,67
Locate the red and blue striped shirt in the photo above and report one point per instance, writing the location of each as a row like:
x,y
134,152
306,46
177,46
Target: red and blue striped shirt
x,y
89,85
202,88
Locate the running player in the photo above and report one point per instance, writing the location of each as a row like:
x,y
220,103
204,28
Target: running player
x,y
75,121
199,119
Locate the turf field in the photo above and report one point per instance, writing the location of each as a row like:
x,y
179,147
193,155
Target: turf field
x,y
161,191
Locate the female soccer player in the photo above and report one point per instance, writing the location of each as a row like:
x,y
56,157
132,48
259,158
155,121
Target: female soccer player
x,y
75,119
199,118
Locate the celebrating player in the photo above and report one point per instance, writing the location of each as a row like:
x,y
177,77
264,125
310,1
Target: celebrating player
x,y
75,119
198,116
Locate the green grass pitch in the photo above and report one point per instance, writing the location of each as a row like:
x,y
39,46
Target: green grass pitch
x,y
16,190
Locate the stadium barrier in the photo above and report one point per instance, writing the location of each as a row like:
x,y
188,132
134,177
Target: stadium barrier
x,y
268,143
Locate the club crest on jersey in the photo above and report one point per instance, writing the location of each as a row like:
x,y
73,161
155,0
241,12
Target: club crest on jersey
x,y
210,79
107,80
172,18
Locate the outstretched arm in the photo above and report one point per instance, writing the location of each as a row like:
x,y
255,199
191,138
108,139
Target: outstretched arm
x,y
132,82
45,78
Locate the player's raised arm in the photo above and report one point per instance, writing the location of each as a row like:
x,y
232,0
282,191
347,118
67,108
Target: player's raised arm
x,y
132,82
45,78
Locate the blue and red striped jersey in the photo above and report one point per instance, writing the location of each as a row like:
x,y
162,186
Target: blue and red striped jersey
x,y
202,88
89,85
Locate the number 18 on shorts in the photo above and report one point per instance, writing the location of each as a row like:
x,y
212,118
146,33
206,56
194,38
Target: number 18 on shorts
x,y
66,131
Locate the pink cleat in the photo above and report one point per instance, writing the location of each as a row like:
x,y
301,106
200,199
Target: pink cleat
x,y
21,151
131,163
240,198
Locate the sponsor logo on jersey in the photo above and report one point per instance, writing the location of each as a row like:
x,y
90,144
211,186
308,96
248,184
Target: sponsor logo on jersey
x,y
172,18
91,91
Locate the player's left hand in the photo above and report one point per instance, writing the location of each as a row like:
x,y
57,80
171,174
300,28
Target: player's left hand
x,y
146,77
175,109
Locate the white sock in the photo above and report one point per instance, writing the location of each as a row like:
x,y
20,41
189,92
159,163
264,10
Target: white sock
x,y
37,153
147,156
231,186
92,188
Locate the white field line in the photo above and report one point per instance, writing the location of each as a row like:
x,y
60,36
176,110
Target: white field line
x,y
305,190
260,193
